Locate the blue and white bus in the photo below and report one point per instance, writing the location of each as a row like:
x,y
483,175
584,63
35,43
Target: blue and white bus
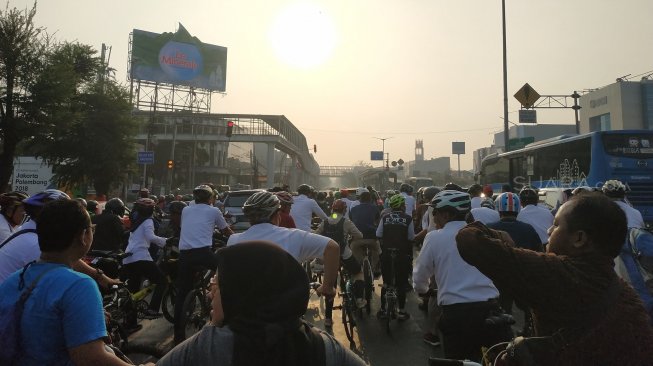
x,y
570,161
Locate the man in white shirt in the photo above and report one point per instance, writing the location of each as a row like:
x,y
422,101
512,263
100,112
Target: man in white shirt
x,y
616,191
540,218
406,191
486,213
466,296
475,191
262,210
198,222
304,207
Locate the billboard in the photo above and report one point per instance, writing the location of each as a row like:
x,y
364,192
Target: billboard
x,y
376,155
178,58
31,175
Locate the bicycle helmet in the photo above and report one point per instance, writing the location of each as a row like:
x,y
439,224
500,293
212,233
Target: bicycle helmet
x,y
82,201
144,202
488,202
260,206
176,207
92,206
460,201
202,193
430,192
144,193
389,193
285,197
528,196
453,187
304,189
41,198
361,190
507,202
614,188
475,190
12,198
115,206
396,201
488,191
405,187
339,206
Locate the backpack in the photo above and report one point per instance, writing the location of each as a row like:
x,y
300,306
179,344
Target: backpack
x,y
336,232
10,319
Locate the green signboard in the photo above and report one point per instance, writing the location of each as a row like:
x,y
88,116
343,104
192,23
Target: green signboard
x,y
518,143
178,58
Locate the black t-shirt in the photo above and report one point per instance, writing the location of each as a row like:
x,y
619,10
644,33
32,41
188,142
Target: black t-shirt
x,y
109,232
523,234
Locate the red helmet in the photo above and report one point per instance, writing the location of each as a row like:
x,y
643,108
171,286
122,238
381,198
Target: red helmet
x,y
144,202
285,197
343,193
339,206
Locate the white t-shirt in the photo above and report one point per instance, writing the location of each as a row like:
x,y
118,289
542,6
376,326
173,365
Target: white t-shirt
x,y
19,251
5,229
302,245
458,282
410,203
540,218
197,224
476,202
485,215
139,242
633,216
302,211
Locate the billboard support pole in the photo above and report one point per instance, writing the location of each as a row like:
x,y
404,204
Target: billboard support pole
x,y
459,176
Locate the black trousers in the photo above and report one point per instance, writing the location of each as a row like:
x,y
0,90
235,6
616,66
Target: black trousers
x,y
136,271
464,331
190,262
401,272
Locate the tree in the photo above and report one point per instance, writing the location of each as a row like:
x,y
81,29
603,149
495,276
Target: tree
x,y
21,49
85,125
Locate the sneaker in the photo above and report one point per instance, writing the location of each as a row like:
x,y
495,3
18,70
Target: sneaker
x,y
360,303
431,339
402,315
328,322
381,314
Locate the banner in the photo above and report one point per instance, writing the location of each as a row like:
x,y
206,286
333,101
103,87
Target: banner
x,y
178,58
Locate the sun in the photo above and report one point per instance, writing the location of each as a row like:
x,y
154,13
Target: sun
x,y
303,36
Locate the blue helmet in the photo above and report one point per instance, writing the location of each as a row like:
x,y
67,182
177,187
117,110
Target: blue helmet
x,y
41,198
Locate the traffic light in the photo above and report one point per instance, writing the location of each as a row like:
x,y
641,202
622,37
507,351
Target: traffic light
x,y
230,128
315,149
171,164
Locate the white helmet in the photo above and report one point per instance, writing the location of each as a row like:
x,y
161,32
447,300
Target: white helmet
x,y
361,190
450,198
260,206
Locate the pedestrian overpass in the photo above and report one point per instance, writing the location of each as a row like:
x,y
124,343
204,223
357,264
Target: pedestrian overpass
x,y
205,137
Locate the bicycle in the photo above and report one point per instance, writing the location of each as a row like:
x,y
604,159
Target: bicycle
x,y
368,279
390,291
491,357
196,311
348,305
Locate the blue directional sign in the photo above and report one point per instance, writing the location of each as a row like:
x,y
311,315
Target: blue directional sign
x,y
146,157
376,155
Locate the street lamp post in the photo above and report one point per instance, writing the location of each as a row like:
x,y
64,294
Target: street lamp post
x,y
383,147
505,78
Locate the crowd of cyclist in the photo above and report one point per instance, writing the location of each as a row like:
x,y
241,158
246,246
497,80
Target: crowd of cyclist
x,y
477,253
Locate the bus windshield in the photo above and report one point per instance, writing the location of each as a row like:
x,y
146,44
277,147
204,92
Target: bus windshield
x,y
632,146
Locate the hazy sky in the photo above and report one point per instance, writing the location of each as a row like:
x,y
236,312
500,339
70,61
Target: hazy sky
x,y
406,69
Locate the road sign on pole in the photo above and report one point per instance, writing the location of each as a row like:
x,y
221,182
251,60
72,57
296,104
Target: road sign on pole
x,y
527,96
527,116
146,157
376,155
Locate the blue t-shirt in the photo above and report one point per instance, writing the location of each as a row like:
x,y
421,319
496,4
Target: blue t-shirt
x,y
64,311
365,216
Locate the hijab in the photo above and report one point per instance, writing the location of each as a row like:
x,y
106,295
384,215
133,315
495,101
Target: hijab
x,y
264,293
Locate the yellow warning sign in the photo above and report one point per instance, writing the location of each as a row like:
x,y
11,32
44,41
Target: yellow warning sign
x,y
527,96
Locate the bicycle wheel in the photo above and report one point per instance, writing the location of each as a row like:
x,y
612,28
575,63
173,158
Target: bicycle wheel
x,y
194,313
168,303
348,321
118,336
390,310
368,277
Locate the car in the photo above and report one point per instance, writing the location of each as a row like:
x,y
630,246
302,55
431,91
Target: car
x,y
233,209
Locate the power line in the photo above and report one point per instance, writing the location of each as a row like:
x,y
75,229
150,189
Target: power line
x,y
400,133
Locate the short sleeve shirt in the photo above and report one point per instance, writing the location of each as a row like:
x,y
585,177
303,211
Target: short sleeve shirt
x,y
198,222
302,245
19,251
64,311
